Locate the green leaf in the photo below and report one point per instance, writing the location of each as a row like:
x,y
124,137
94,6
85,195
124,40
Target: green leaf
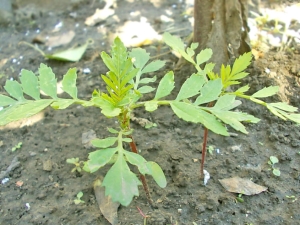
x,y
274,159
240,75
99,158
148,80
108,109
146,89
47,81
157,174
209,92
243,89
140,57
69,55
30,84
192,113
227,117
177,45
112,130
62,103
151,106
293,117
276,172
108,62
104,143
14,89
154,66
241,64
191,87
120,183
139,161
166,85
5,100
226,102
69,83
21,111
284,106
204,56
275,111
266,92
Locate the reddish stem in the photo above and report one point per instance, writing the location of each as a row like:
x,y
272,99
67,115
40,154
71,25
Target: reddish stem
x,y
203,151
142,177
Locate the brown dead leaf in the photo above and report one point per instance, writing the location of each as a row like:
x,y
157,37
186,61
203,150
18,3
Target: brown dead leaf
x,y
108,208
242,186
62,39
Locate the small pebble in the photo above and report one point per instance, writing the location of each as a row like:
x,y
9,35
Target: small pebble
x,y
5,180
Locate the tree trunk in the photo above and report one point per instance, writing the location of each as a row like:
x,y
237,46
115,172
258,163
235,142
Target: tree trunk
x,y
222,26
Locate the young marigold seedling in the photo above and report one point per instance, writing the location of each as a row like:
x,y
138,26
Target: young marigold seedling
x,y
203,98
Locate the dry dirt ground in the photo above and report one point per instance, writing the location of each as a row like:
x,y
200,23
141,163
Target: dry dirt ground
x,y
54,136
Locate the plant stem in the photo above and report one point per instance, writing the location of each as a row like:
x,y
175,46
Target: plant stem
x,y
203,151
211,104
142,177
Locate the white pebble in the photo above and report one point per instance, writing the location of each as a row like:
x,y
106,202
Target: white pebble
x,y
5,180
206,177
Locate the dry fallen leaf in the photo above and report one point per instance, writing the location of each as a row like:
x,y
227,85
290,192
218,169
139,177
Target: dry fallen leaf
x,y
62,39
99,15
108,208
242,186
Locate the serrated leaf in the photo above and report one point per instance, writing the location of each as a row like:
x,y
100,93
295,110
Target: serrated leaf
x,y
108,109
47,81
192,113
293,117
5,100
69,83
177,45
120,183
30,84
112,130
209,92
99,158
240,75
140,56
266,92
275,111
227,117
62,103
21,111
148,80
165,86
151,106
154,66
243,89
139,161
191,87
157,174
146,89
225,102
108,62
104,143
14,89
284,106
241,63
204,56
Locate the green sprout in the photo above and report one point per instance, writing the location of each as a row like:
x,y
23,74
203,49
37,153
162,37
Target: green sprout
x,y
78,198
17,146
77,164
273,160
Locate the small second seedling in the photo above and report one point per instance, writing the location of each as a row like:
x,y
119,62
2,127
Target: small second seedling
x,y
273,160
17,146
78,198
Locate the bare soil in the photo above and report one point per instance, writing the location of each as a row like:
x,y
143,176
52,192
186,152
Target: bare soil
x,y
50,138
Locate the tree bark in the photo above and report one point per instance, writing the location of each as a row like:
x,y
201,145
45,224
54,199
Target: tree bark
x,y
222,26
